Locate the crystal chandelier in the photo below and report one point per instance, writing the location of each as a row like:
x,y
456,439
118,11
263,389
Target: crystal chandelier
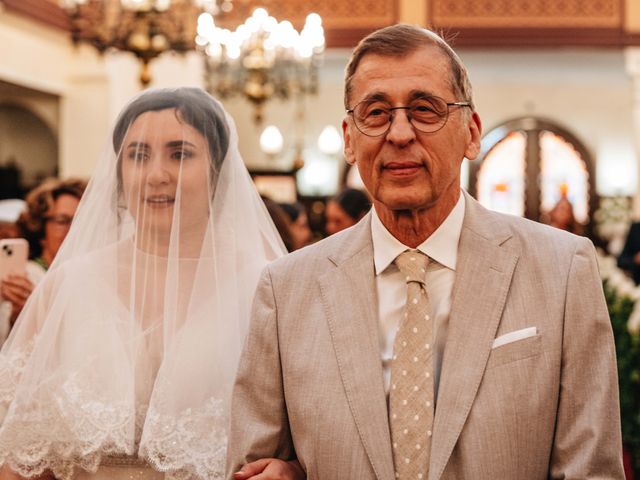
x,y
146,28
262,58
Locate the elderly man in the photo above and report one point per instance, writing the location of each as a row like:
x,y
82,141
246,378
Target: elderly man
x,y
434,339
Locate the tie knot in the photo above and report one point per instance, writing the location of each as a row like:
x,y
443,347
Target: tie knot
x,y
413,265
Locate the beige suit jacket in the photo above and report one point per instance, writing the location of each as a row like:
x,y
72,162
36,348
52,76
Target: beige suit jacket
x,y
310,382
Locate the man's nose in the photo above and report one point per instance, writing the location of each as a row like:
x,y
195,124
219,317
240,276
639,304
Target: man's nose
x,y
401,131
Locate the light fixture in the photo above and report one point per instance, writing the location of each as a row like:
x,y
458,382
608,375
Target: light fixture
x,y
329,141
271,140
319,177
146,28
262,58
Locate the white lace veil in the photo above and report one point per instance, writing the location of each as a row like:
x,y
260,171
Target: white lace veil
x,y
130,344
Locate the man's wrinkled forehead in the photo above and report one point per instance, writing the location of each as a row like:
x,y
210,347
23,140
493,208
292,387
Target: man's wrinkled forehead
x,y
429,68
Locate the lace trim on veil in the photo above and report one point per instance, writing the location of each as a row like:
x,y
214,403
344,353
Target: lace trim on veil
x,y
81,430
60,430
192,445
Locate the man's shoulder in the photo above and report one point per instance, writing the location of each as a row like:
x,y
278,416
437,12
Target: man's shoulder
x,y
530,237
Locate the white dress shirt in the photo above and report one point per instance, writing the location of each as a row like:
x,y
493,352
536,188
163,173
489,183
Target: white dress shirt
x,y
442,249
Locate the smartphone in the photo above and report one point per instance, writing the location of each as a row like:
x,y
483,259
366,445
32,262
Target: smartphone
x,y
14,253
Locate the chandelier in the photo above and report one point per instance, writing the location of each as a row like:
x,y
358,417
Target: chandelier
x,y
146,28
262,58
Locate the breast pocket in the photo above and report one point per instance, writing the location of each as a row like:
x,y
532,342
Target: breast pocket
x,y
514,351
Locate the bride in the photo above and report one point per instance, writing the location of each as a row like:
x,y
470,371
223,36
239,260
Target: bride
x,y
122,362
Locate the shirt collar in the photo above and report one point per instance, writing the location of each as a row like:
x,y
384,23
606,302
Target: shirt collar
x,y
441,246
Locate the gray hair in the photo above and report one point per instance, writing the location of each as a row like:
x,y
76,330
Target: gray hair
x,y
400,40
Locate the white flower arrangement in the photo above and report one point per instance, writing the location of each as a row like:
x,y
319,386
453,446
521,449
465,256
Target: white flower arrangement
x,y
612,220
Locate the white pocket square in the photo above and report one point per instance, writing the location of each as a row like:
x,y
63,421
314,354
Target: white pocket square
x,y
514,336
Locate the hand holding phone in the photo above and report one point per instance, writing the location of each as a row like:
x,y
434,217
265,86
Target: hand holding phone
x,y
15,286
14,253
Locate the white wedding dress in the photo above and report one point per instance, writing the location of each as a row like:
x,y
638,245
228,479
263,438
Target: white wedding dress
x,y
122,362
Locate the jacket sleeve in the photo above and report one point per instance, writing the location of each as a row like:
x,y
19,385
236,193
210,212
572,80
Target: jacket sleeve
x,y
259,423
587,441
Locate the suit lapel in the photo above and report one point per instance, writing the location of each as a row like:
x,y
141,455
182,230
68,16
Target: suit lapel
x,y
350,302
483,276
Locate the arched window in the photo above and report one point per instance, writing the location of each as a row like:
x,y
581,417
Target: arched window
x,y
527,165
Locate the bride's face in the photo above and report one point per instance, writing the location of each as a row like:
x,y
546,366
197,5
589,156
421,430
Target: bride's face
x,y
165,165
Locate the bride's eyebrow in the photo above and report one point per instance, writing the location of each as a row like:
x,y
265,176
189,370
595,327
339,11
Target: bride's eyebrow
x,y
139,145
179,144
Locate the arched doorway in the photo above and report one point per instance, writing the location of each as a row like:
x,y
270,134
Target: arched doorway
x,y
28,150
526,165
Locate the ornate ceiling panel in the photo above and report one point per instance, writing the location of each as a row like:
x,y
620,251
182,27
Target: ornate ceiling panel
x,y
345,23
528,13
334,13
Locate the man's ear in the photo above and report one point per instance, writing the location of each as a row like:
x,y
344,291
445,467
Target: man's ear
x,y
349,154
475,134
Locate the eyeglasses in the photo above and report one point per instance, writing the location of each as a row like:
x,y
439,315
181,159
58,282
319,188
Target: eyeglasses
x,y
61,220
426,114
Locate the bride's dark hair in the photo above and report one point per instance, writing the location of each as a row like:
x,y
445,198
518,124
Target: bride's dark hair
x,y
193,106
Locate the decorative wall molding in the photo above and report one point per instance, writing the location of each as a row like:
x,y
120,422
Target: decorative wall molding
x,y
533,23
44,11
473,23
538,37
334,13
345,23
528,13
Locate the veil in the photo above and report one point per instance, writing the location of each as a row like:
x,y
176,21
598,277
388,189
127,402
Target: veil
x,y
130,344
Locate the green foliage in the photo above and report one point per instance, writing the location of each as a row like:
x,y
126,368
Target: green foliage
x,y
628,354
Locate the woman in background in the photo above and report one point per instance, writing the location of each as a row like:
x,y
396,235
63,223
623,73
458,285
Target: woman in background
x,y
561,216
299,224
346,209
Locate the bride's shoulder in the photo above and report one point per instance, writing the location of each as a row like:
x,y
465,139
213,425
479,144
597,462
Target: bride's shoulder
x,y
94,263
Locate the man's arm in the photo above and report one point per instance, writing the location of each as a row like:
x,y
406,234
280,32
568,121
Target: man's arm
x,y
587,441
259,422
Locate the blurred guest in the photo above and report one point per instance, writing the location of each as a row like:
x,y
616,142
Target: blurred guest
x,y
10,210
300,229
44,223
346,209
561,216
281,221
50,210
629,259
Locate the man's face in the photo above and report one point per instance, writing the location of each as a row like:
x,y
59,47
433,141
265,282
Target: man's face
x,y
406,169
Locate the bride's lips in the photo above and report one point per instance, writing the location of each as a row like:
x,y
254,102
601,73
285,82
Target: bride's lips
x,y
159,201
402,169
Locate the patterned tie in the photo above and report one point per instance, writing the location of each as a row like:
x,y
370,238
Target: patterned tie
x,y
411,395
